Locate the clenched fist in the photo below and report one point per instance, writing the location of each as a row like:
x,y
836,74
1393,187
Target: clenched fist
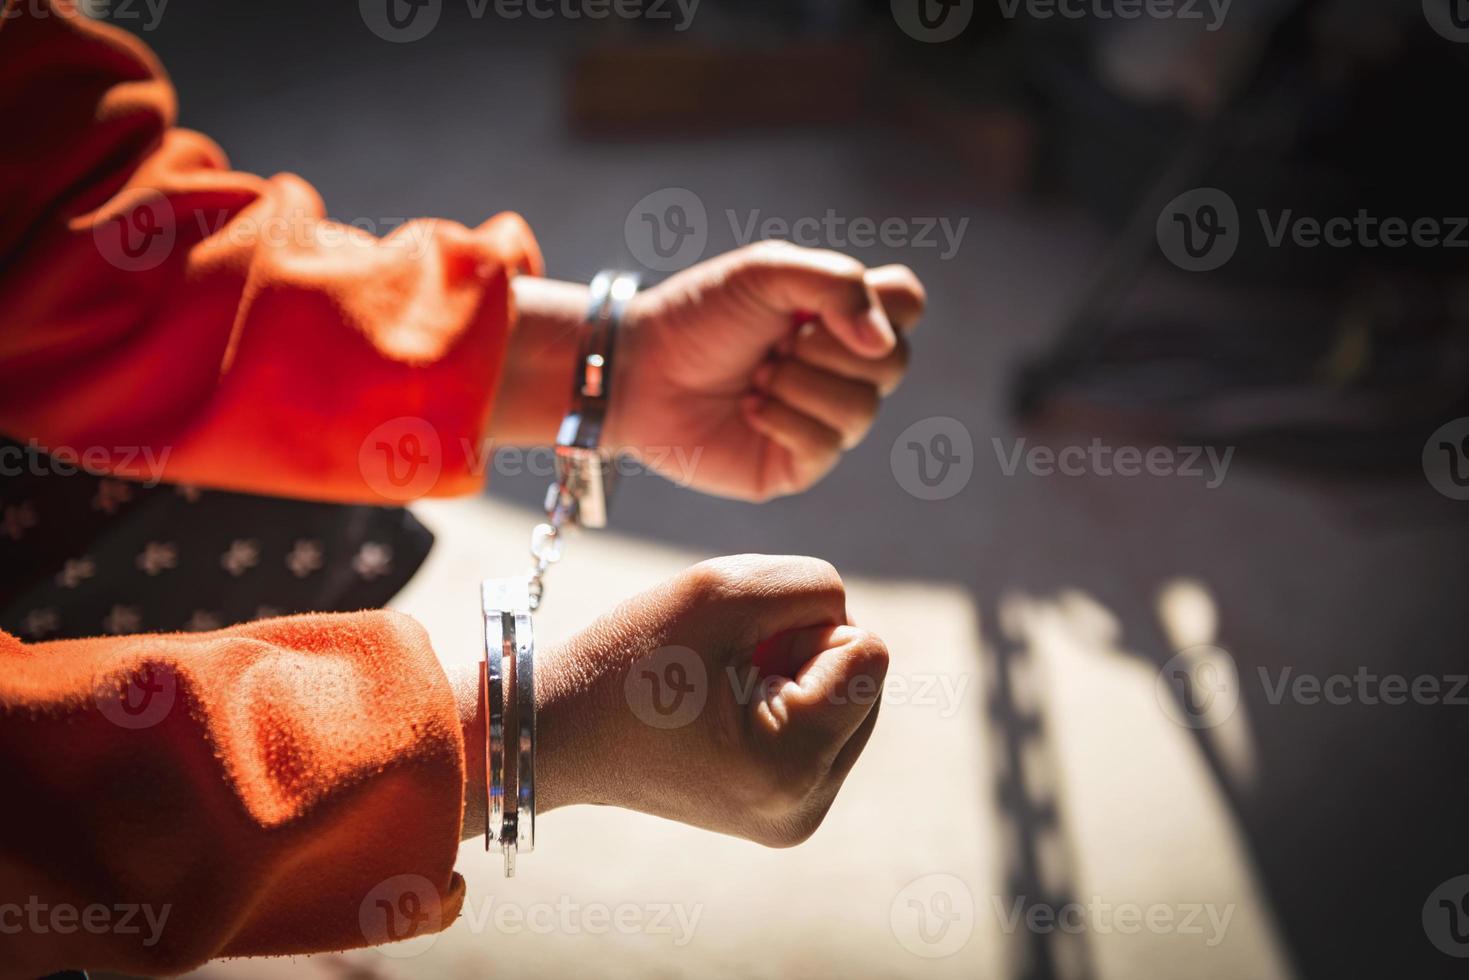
x,y
769,361
735,697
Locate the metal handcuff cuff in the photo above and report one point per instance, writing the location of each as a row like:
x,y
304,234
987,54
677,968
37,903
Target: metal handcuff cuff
x,y
579,496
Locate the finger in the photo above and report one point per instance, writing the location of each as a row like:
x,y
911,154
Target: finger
x,y
836,683
795,280
849,753
816,346
840,403
812,447
901,294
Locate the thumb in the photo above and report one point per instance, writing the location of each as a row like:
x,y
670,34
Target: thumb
x,y
827,284
823,683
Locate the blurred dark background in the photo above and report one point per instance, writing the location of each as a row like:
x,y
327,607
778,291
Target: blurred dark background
x,y
1058,143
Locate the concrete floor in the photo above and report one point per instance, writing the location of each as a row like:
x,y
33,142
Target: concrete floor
x,y
1058,776
1141,821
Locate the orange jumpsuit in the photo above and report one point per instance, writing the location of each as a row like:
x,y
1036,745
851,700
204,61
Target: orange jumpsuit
x,y
258,782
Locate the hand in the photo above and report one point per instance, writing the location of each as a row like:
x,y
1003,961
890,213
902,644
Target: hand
x,y
747,376
781,697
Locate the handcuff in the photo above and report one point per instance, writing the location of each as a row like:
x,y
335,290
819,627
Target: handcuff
x,y
578,497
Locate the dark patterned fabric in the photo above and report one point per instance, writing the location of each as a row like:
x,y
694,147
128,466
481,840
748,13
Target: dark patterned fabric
x,y
83,555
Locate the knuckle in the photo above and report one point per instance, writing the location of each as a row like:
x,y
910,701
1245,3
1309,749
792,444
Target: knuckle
x,y
853,283
869,652
847,276
762,256
915,285
869,400
816,574
901,356
732,576
778,579
849,271
767,248
709,581
768,492
829,443
894,367
855,432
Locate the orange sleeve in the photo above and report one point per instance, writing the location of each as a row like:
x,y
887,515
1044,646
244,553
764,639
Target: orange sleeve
x,y
289,786
151,299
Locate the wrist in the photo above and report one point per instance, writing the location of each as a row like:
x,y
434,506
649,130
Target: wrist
x,y
540,365
570,732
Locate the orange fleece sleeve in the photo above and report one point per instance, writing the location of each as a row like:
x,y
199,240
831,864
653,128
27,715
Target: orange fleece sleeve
x,y
152,300
288,786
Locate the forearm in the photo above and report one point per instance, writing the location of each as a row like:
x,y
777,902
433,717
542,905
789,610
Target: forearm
x,y
253,785
185,320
